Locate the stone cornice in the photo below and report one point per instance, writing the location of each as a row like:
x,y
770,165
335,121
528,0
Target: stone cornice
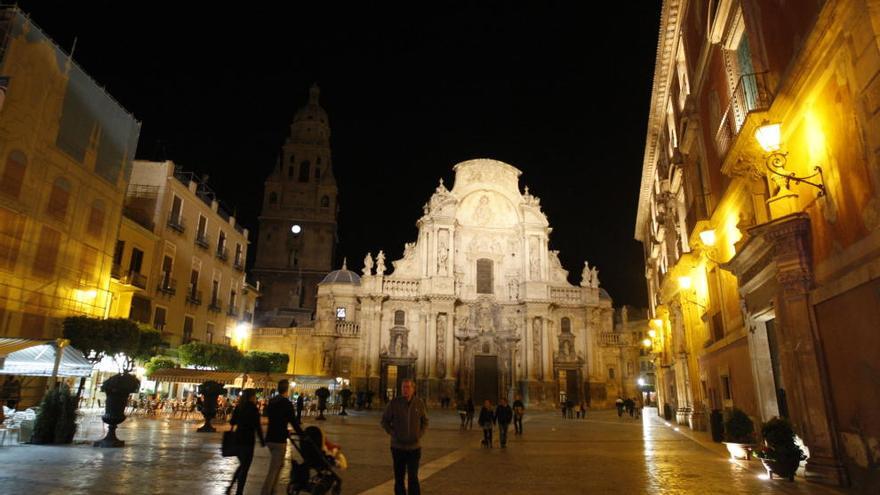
x,y
663,71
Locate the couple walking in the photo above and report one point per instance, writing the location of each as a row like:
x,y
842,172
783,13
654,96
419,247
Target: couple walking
x,y
502,415
246,421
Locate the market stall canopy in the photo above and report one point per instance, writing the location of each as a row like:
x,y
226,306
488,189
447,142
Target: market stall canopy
x,y
29,357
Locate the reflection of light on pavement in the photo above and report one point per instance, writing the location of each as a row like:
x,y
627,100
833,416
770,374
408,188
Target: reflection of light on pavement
x,y
764,476
650,460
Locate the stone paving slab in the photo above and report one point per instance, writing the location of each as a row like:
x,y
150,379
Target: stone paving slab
x,y
601,454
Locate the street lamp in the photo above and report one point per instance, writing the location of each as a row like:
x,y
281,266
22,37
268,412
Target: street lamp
x,y
768,136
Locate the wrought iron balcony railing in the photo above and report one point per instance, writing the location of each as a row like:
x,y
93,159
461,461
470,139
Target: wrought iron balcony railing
x,y
175,222
222,253
202,240
167,285
752,94
194,296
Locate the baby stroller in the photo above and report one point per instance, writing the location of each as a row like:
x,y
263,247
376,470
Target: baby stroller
x,y
315,475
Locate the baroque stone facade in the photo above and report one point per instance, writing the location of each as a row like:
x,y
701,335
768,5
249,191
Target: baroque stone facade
x,y
478,306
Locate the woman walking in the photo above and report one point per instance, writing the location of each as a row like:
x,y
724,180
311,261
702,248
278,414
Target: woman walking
x,y
246,421
487,422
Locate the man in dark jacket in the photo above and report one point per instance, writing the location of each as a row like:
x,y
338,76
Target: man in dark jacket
x,y
280,413
300,402
504,415
406,420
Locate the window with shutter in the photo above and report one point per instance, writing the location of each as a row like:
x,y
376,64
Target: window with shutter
x,y
95,226
59,198
13,174
47,252
11,233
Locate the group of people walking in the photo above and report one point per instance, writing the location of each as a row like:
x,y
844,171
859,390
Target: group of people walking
x,y
247,427
570,410
502,416
632,407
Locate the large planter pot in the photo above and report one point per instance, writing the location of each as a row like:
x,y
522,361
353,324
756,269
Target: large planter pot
x,y
741,451
117,389
210,390
784,466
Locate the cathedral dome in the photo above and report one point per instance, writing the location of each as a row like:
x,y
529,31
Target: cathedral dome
x,y
342,276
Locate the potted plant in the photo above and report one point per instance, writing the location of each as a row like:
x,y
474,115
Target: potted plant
x,y
322,393
117,388
780,455
209,390
345,394
739,432
56,421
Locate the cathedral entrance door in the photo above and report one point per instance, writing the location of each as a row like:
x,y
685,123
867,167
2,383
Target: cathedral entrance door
x,y
569,388
392,378
485,379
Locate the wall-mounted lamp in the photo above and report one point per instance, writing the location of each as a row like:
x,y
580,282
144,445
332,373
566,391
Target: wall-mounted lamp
x,y
707,237
647,342
652,333
685,283
769,137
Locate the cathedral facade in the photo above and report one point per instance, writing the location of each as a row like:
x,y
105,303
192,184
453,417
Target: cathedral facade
x,y
478,307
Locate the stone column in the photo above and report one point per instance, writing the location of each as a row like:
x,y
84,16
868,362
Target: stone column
x,y
803,368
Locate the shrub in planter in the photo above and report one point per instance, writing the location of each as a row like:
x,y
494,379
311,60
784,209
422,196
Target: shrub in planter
x,y
739,432
56,421
780,455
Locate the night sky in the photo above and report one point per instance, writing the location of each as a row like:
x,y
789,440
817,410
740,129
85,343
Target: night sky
x,y
558,90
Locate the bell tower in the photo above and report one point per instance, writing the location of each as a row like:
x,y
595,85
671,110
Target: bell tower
x,y
297,238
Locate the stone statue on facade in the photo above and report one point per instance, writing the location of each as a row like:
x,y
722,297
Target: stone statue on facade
x,y
409,250
586,275
594,278
483,214
368,265
380,263
442,258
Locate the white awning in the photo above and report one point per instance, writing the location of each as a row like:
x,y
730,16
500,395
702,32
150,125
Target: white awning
x,y
28,357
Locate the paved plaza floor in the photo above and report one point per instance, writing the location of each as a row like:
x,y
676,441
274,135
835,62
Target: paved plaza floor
x,y
600,454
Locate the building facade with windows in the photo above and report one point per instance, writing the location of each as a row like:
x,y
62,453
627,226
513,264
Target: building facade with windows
x,y
66,148
478,307
758,215
297,235
194,284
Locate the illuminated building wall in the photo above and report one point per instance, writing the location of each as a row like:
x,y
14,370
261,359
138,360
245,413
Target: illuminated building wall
x,y
65,158
767,287
195,279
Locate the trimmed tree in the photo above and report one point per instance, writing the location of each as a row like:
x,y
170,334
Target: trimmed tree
x,y
264,362
158,363
202,355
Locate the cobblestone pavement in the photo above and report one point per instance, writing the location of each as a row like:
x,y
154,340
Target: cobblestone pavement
x,y
601,454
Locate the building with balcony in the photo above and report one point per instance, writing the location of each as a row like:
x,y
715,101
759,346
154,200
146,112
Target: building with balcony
x,y
192,276
478,307
65,158
758,215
